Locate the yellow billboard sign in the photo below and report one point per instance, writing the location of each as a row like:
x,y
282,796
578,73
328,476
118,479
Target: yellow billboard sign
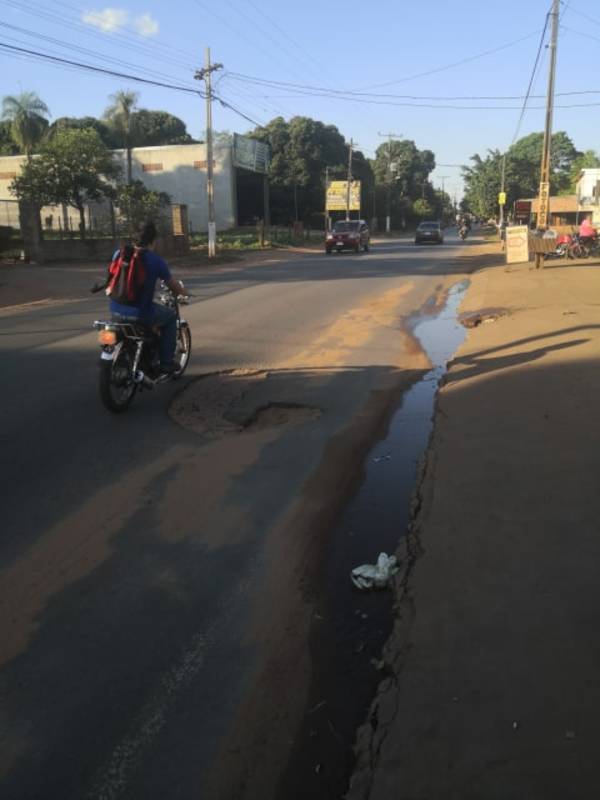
x,y
337,196
502,199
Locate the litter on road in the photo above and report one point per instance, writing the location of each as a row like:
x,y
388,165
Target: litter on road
x,y
375,576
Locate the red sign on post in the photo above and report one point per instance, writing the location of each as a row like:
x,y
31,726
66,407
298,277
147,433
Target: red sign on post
x,y
523,211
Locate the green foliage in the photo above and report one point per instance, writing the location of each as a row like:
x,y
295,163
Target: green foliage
x,y
28,117
73,168
106,134
138,204
300,151
422,209
8,146
483,177
402,171
119,117
155,128
587,160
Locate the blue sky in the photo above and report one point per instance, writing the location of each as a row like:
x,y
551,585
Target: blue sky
x,y
355,46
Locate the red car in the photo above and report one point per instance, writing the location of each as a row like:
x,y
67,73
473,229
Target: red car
x,y
348,235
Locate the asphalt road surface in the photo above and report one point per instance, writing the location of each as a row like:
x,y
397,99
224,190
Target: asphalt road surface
x,y
156,567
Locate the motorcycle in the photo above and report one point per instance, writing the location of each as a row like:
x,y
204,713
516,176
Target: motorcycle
x,y
563,247
463,231
129,358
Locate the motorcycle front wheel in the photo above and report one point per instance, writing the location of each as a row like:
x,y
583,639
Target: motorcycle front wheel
x,y
183,349
117,388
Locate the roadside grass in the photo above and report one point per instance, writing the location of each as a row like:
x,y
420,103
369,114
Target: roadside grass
x,y
245,239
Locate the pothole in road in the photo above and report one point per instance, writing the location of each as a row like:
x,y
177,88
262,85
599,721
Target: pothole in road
x,y
235,402
275,414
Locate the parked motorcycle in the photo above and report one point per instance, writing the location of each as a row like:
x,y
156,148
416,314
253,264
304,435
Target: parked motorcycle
x,y
563,246
129,359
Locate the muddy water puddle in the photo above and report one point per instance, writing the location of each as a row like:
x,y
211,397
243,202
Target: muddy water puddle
x,y
350,627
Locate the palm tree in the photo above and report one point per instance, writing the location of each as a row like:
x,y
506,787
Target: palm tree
x,y
28,117
119,115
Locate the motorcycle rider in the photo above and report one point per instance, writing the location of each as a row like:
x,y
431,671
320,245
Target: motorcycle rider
x,y
587,230
145,309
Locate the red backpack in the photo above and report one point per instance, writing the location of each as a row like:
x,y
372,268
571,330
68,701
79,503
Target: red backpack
x,y
126,275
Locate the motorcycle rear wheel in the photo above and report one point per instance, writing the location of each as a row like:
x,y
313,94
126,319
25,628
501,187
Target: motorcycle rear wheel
x,y
117,388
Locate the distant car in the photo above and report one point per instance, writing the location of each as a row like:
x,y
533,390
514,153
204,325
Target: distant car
x,y
348,235
429,232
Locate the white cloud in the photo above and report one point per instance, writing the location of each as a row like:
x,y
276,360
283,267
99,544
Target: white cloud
x,y
146,25
108,20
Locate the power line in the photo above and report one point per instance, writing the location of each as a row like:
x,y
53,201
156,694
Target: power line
x,y
250,19
317,91
227,104
582,14
581,33
116,38
92,68
129,30
454,64
226,23
287,36
534,71
84,50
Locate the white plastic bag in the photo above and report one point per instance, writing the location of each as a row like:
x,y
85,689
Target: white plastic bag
x,y
375,576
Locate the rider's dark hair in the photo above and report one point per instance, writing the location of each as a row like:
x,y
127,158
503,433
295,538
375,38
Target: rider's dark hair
x,y
148,234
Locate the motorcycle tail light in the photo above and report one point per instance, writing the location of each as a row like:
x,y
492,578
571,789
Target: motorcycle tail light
x,y
107,337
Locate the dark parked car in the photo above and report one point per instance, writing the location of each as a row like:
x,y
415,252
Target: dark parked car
x,y
429,232
348,235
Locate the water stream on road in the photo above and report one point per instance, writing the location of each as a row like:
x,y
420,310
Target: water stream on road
x,y
351,627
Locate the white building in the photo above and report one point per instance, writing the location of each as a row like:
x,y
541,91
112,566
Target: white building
x,y
178,170
588,192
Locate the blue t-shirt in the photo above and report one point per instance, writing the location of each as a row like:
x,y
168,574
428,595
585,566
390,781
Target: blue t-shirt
x,y
156,269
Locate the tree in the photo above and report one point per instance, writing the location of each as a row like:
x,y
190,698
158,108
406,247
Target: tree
x,y
155,128
8,146
300,151
587,160
73,168
403,171
422,209
28,117
119,116
138,204
523,159
106,134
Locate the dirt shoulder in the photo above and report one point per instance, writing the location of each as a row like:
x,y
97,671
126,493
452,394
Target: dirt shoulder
x,y
492,687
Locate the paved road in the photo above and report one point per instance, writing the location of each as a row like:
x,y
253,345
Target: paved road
x,y
153,579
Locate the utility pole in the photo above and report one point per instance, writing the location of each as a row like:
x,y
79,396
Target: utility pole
x,y
326,208
443,180
349,178
204,75
388,219
544,193
502,189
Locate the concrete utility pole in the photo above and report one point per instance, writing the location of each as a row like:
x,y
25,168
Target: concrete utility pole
x,y
204,75
502,184
326,208
349,178
388,219
544,193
